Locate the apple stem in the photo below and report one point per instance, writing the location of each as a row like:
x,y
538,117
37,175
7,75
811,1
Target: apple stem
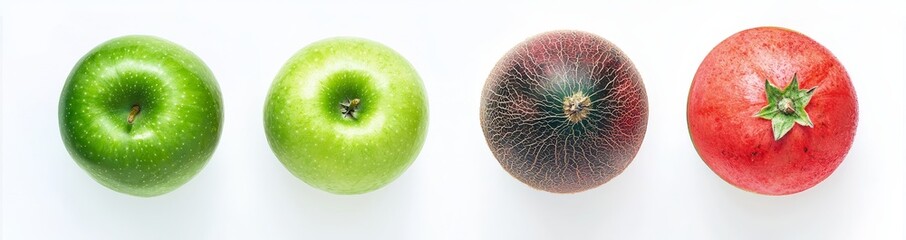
x,y
135,110
348,108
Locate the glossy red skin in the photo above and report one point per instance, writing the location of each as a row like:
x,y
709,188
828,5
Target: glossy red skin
x,y
727,91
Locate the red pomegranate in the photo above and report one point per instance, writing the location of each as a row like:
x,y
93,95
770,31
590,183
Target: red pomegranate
x,y
772,111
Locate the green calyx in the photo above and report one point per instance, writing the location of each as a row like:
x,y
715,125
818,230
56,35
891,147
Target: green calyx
x,y
786,107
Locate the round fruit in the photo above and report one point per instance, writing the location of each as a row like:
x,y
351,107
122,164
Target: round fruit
x,y
141,115
772,111
564,111
346,115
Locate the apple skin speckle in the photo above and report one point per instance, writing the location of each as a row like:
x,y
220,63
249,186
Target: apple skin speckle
x,y
172,136
313,138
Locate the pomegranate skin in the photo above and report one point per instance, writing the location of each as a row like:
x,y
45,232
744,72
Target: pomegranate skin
x,y
729,89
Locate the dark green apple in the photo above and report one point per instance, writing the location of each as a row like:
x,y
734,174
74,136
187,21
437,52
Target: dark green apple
x,y
141,115
346,115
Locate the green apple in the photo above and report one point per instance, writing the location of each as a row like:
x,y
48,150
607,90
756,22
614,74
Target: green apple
x,y
141,115
346,115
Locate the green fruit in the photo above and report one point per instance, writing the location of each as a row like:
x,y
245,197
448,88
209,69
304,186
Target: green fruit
x,y
346,115
141,115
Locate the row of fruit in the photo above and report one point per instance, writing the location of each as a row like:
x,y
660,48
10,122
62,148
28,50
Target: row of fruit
x,y
770,111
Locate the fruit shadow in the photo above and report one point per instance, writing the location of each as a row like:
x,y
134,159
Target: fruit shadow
x,y
186,212
589,214
384,212
823,210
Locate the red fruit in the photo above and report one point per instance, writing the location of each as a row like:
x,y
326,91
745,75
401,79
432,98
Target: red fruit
x,y
779,145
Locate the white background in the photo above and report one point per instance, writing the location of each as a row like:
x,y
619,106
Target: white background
x,y
455,189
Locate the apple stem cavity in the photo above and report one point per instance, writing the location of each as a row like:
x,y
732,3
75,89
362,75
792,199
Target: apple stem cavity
x,y
575,107
786,107
135,110
349,108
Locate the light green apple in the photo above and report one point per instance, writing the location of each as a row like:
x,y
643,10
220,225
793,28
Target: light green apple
x,y
141,115
346,115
